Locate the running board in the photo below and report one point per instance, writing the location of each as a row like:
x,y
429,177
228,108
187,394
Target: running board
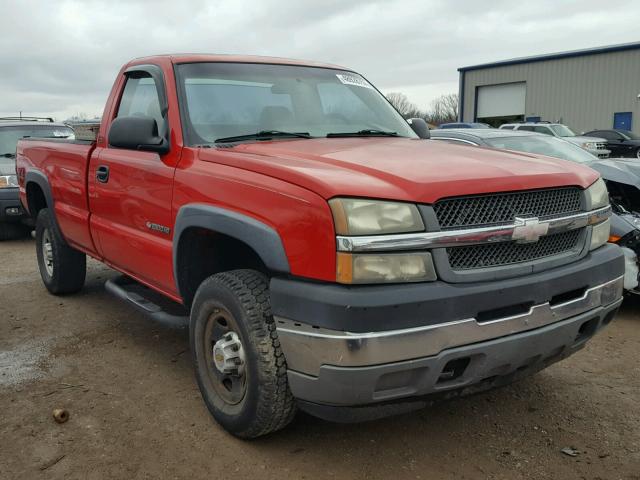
x,y
149,302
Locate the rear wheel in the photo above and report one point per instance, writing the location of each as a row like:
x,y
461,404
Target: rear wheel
x,y
240,367
638,153
62,268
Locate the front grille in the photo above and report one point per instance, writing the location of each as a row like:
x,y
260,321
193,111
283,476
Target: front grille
x,y
502,208
508,253
601,146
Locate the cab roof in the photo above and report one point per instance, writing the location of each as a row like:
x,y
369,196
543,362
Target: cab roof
x,y
228,58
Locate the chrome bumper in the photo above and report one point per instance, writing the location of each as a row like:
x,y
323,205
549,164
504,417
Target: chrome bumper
x,y
307,348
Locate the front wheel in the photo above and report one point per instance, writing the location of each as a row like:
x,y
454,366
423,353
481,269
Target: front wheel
x,y
638,153
240,367
62,268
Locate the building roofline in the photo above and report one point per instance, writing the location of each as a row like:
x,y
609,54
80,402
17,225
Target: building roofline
x,y
555,56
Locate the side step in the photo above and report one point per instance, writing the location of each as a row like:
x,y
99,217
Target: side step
x,y
149,302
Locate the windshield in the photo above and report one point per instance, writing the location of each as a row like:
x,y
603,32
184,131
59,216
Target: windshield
x,y
562,131
222,100
9,136
543,145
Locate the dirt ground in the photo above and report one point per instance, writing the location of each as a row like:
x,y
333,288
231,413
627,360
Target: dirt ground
x,y
135,410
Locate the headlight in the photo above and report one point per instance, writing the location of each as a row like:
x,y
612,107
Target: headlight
x,y
600,234
8,181
597,195
384,268
354,216
589,146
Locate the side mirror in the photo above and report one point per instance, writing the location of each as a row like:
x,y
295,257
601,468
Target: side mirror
x,y
420,127
137,133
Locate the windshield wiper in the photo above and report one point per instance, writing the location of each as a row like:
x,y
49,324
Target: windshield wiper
x,y
263,135
8,155
364,133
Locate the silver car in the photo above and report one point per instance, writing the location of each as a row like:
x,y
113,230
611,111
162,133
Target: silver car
x,y
594,145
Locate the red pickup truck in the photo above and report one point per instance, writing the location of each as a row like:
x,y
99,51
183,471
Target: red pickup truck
x,y
328,255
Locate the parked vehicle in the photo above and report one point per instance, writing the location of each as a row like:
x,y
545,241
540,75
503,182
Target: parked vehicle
x,y
326,259
84,129
14,223
464,125
594,145
622,143
621,176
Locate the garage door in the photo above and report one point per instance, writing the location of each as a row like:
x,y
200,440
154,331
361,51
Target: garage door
x,y
501,100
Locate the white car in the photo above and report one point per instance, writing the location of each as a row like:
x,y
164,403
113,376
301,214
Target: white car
x,y
594,145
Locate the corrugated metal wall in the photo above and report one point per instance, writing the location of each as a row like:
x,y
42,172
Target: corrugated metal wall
x,y
582,92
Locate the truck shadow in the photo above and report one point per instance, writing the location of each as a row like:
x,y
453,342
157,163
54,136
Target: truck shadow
x,y
542,412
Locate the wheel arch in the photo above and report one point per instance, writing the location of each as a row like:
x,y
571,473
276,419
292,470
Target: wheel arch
x,y
38,192
248,243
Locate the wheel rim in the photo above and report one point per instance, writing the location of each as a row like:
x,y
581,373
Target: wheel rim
x,y
47,252
638,154
225,357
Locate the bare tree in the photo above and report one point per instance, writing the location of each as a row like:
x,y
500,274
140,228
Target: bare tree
x,y
404,105
444,109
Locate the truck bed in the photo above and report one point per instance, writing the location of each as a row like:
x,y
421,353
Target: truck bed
x,y
65,164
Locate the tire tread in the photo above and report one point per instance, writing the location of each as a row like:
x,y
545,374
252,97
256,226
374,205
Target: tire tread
x,y
276,408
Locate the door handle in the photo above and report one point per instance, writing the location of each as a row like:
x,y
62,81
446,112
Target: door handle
x,y
102,174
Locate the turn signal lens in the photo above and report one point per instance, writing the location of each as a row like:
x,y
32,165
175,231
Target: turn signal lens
x,y
600,234
384,268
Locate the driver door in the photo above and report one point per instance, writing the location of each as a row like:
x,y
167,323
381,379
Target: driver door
x,y
130,192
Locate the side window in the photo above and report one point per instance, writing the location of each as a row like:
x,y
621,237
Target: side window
x,y
140,98
507,127
544,130
607,135
527,128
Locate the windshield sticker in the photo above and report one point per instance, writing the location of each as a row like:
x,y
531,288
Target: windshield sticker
x,y
351,79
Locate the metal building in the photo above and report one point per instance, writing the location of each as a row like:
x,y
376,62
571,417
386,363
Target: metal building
x,y
590,89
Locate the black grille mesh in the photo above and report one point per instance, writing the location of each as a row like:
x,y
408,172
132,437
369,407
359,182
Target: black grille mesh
x,y
500,208
507,253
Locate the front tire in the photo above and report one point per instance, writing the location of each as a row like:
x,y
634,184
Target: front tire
x,y
62,268
240,367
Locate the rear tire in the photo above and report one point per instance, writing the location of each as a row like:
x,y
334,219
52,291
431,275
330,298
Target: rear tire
x,y
638,154
62,268
12,231
232,328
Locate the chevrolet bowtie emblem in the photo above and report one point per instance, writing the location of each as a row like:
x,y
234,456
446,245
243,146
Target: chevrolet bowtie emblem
x,y
528,230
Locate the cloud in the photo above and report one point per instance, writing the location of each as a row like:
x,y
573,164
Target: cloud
x,y
60,58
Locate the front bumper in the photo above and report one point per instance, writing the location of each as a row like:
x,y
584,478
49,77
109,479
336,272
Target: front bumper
x,y
10,207
599,152
463,335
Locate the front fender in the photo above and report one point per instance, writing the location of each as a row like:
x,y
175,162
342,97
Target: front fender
x,y
262,238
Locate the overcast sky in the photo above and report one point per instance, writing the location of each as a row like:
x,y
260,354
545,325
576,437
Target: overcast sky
x,y
60,57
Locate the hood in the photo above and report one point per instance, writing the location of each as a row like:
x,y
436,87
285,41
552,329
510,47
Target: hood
x,y
583,139
621,170
399,168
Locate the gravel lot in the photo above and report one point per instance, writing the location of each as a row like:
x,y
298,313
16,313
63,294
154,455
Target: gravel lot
x,y
135,410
